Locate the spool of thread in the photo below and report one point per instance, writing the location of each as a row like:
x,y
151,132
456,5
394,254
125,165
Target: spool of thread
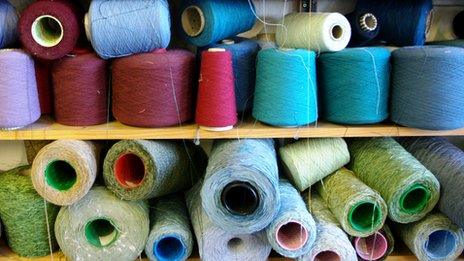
x,y
331,243
410,190
320,32
355,85
402,23
142,169
19,105
215,243
123,28
205,22
170,237
50,29
240,193
64,171
359,209
100,227
28,220
446,162
364,27
307,161
8,27
244,54
435,237
33,147
292,72
216,110
80,83
426,87
457,25
165,86
375,247
293,231
43,75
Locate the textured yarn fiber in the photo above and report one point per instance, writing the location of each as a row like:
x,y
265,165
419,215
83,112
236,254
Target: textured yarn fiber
x,y
354,85
331,241
309,160
410,190
402,23
33,147
215,243
364,27
434,238
142,169
80,84
154,89
102,227
121,28
65,27
375,247
221,19
293,232
8,27
24,217
320,32
457,25
19,102
289,72
446,162
64,171
170,237
43,75
360,210
427,90
249,161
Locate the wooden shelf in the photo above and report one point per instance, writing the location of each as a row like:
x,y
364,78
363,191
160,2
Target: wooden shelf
x,y
46,129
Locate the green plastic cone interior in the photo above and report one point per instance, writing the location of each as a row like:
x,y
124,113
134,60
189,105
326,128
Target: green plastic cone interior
x,y
60,175
364,216
101,232
415,199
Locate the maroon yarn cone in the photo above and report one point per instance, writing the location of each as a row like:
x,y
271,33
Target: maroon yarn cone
x,y
80,83
154,89
43,75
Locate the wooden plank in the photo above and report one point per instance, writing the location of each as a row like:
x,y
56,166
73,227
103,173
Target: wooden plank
x,y
46,129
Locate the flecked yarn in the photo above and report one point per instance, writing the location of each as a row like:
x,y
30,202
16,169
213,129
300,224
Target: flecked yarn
x,y
102,227
240,192
434,238
360,210
410,190
25,215
142,169
446,162
293,231
309,160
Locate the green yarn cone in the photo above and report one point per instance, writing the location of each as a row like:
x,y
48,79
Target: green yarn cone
x,y
22,211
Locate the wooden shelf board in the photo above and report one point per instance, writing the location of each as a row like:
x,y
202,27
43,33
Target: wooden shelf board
x,y
46,129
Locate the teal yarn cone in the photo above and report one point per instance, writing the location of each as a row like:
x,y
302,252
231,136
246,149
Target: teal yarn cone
x,y
410,190
308,161
359,209
354,85
142,169
293,231
103,227
170,237
286,87
23,214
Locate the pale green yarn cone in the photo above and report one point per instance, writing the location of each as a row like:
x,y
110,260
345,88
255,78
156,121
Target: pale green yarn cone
x,y
360,210
22,212
410,190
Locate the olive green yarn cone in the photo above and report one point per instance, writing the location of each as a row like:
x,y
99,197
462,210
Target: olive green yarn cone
x,y
22,211
410,190
360,210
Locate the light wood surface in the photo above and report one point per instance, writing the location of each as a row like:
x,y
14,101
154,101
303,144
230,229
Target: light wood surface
x,y
46,129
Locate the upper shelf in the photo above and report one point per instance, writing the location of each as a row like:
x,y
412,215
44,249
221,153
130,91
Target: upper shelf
x,y
46,129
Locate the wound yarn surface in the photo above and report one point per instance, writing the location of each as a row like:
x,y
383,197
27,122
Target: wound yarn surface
x,y
8,27
292,72
43,75
409,188
309,160
354,85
